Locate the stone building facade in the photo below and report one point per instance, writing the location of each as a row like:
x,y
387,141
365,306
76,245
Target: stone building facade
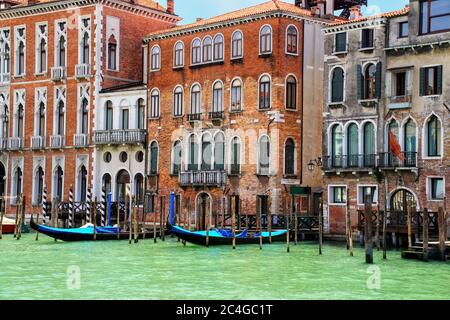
x,y
56,57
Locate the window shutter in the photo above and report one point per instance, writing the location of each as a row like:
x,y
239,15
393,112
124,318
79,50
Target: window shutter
x,y
422,82
378,81
359,81
439,80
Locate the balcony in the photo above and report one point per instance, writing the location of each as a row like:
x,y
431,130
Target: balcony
x,y
58,73
82,71
15,143
202,178
80,140
340,49
399,102
349,162
57,141
134,136
3,144
5,78
194,117
389,160
215,115
37,142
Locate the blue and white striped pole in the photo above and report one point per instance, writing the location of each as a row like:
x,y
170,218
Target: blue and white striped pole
x,y
70,207
109,207
103,207
44,205
88,206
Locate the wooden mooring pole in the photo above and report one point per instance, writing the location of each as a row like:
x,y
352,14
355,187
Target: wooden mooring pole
x,y
287,225
233,221
348,220
384,235
377,229
94,214
425,236
442,226
19,199
409,221
155,208
118,219
320,225
2,214
368,228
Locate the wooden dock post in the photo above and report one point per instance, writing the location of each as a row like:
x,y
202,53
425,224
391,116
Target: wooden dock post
x,y
22,216
425,229
384,234
118,219
368,228
348,220
294,210
162,224
377,229
155,207
409,221
320,225
287,226
208,223
135,217
259,225
130,220
269,224
2,214
442,226
17,214
94,213
233,221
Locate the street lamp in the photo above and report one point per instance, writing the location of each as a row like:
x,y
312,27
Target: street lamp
x,y
313,162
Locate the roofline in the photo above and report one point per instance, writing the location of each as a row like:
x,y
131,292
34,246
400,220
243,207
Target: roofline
x,y
227,23
42,7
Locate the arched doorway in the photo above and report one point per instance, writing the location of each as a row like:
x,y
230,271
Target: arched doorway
x,y
122,179
401,200
203,207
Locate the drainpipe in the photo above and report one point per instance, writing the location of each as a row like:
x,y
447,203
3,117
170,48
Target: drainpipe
x,y
303,93
145,121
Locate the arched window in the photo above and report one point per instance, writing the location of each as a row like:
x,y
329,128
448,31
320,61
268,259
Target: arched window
x,y
58,191
206,152
42,56
337,145
5,122
141,113
139,188
235,167
178,101
62,52
20,116
264,92
41,120
289,157
219,152
218,47
112,53
60,118
178,54
409,137
82,182
369,147
155,58
154,150
352,145
236,95
176,157
21,60
195,99
291,93
17,182
154,104
85,47
124,118
196,52
122,180
370,81
207,49
265,40
433,131
84,116
39,186
264,155
106,183
389,157
193,154
217,105
109,113
237,45
291,40
337,85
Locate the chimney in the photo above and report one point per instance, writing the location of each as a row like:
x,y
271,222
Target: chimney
x,y
198,19
355,13
299,3
170,7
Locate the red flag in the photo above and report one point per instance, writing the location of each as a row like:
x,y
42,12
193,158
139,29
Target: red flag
x,y
396,149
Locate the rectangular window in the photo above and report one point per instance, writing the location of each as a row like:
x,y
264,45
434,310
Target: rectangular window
x,y
400,84
403,29
367,38
178,104
340,44
363,191
125,119
431,81
435,16
436,186
338,195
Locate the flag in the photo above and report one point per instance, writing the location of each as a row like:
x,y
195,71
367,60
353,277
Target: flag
x,y
395,147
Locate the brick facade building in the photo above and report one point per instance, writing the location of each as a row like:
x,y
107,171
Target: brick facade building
x,y
56,57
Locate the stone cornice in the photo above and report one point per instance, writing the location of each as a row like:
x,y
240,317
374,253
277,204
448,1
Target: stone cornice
x,y
42,8
355,25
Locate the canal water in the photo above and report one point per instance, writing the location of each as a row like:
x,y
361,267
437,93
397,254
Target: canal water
x,y
44,269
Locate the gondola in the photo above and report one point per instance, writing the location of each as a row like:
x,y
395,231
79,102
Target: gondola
x,y
86,233
224,237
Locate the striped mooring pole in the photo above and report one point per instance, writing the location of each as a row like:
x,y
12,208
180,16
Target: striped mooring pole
x,y
44,206
70,207
88,206
103,207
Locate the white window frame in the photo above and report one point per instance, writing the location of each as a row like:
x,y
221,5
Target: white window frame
x,y
242,44
155,65
83,93
286,41
200,58
17,40
113,30
331,195
58,35
81,31
360,195
242,93
40,95
259,92
175,54
6,41
330,84
425,155
222,54
151,115
428,188
271,40
258,162
62,92
38,37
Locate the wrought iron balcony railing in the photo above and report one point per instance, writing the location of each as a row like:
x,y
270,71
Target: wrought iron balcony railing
x,y
353,161
57,141
194,116
130,136
37,142
216,115
400,102
389,160
80,140
202,178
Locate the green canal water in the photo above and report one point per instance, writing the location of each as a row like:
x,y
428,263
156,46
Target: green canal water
x,y
32,269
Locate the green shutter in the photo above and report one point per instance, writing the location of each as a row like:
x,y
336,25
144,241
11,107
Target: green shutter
x,y
439,80
359,81
378,80
422,82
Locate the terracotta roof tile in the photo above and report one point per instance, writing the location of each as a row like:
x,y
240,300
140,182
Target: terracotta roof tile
x,y
389,14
